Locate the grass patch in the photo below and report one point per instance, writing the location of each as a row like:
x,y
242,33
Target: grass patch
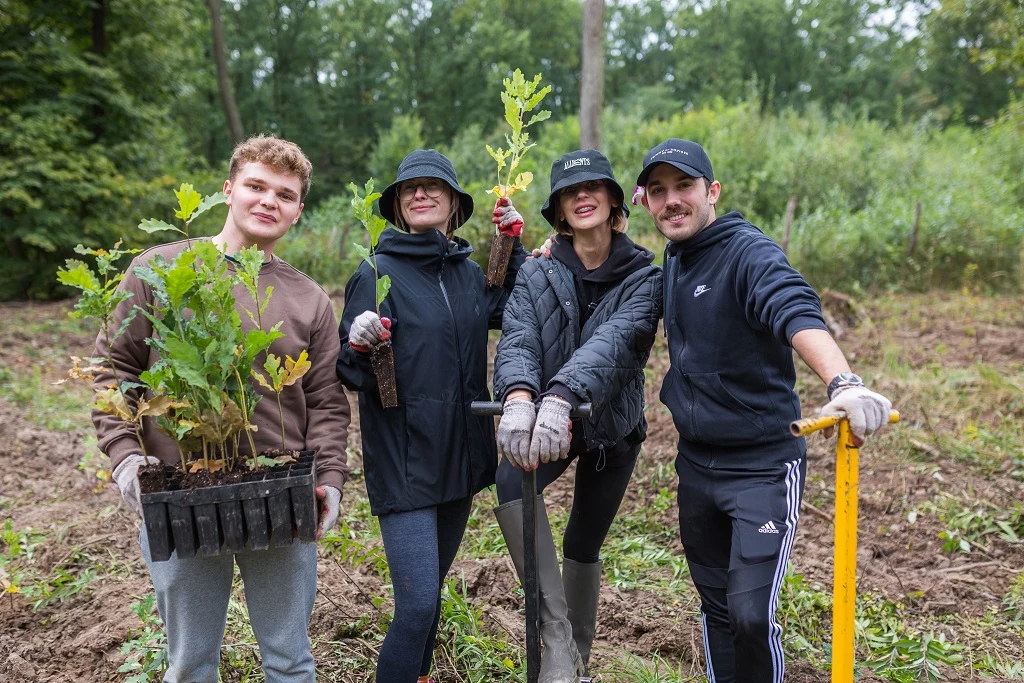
x,y
57,408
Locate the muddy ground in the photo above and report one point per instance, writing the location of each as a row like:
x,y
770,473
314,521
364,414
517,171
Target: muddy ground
x,y
43,487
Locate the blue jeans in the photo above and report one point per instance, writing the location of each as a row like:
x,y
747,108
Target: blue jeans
x,y
421,546
192,596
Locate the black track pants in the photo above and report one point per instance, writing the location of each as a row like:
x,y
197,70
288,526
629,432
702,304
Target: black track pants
x,y
737,529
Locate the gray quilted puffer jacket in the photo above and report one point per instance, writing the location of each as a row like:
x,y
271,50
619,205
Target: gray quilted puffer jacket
x,y
542,343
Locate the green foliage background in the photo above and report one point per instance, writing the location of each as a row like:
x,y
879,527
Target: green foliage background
x,y
859,108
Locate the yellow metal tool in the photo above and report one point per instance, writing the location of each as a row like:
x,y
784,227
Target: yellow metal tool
x,y
844,577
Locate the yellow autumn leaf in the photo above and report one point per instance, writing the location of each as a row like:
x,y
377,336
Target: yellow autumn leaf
x,y
112,402
262,380
157,406
215,466
295,369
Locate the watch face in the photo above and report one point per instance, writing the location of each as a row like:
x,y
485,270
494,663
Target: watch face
x,y
850,377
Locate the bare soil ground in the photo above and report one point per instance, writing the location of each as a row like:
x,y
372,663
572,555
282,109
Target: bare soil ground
x,y
78,639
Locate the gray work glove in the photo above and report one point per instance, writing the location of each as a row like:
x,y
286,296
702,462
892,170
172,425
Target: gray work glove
x,y
330,499
867,411
514,430
367,331
553,431
126,476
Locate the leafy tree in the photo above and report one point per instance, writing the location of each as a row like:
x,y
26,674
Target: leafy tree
x,y
83,135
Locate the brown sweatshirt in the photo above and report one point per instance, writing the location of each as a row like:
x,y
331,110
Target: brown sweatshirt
x,y
316,411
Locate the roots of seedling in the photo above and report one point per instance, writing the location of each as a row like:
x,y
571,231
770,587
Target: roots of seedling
x,y
383,361
501,249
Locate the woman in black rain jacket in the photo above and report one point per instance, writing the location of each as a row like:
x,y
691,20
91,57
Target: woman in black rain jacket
x,y
425,459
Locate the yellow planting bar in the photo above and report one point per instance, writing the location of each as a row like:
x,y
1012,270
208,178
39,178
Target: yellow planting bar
x,y
813,424
844,577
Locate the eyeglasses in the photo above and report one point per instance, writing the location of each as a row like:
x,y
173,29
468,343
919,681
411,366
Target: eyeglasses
x,y
591,187
432,187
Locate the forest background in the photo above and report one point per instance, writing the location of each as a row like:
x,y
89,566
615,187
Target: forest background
x,y
893,128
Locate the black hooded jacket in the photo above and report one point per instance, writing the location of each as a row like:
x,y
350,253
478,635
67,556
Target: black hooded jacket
x,y
732,305
429,449
584,336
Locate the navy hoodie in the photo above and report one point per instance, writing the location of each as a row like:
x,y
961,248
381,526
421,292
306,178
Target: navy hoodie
x,y
732,306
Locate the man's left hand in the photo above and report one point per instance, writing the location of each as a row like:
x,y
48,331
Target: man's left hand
x,y
867,411
330,502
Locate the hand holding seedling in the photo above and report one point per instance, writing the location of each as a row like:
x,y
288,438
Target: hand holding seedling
x,y
367,330
507,218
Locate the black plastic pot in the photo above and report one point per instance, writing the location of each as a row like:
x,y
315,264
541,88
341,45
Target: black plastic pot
x,y
272,508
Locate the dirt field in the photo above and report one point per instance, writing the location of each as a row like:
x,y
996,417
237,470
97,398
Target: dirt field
x,y
951,475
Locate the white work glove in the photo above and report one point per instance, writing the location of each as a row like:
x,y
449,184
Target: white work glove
x,y
126,476
368,330
867,411
544,249
507,217
553,431
514,431
330,500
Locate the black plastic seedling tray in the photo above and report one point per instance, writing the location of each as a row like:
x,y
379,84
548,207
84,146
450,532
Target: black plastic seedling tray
x,y
272,508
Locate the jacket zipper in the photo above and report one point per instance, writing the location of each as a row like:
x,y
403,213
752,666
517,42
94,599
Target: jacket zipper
x,y
458,347
578,329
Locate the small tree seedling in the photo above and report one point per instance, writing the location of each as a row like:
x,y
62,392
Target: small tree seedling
x,y
520,97
383,356
281,377
362,207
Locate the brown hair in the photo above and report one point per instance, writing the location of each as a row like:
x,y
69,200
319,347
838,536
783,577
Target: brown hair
x,y
617,217
278,154
454,219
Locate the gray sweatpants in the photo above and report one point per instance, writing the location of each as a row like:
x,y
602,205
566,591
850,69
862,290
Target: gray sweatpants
x,y
192,596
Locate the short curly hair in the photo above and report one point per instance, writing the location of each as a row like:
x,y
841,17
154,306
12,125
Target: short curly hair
x,y
278,154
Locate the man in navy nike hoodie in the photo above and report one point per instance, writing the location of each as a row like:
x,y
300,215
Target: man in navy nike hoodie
x,y
734,311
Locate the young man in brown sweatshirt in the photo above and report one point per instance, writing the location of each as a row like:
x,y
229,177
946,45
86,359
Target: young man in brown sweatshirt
x,y
268,180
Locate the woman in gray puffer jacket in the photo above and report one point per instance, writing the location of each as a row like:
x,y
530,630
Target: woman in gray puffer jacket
x,y
578,328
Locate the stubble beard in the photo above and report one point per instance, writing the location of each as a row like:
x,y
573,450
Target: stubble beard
x,y
701,220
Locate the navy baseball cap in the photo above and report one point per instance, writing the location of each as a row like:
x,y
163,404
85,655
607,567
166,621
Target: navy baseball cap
x,y
687,156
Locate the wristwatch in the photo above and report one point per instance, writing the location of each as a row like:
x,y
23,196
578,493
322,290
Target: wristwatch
x,y
843,379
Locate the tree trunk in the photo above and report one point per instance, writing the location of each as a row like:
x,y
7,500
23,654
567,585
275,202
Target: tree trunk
x,y
227,96
99,27
592,83
99,48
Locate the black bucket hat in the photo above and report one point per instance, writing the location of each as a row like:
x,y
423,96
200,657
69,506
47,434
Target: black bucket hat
x,y
425,163
579,167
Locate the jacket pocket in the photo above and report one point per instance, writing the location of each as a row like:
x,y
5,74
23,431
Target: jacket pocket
x,y
717,416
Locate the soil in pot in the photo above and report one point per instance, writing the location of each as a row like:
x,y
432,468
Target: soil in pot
x,y
383,361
